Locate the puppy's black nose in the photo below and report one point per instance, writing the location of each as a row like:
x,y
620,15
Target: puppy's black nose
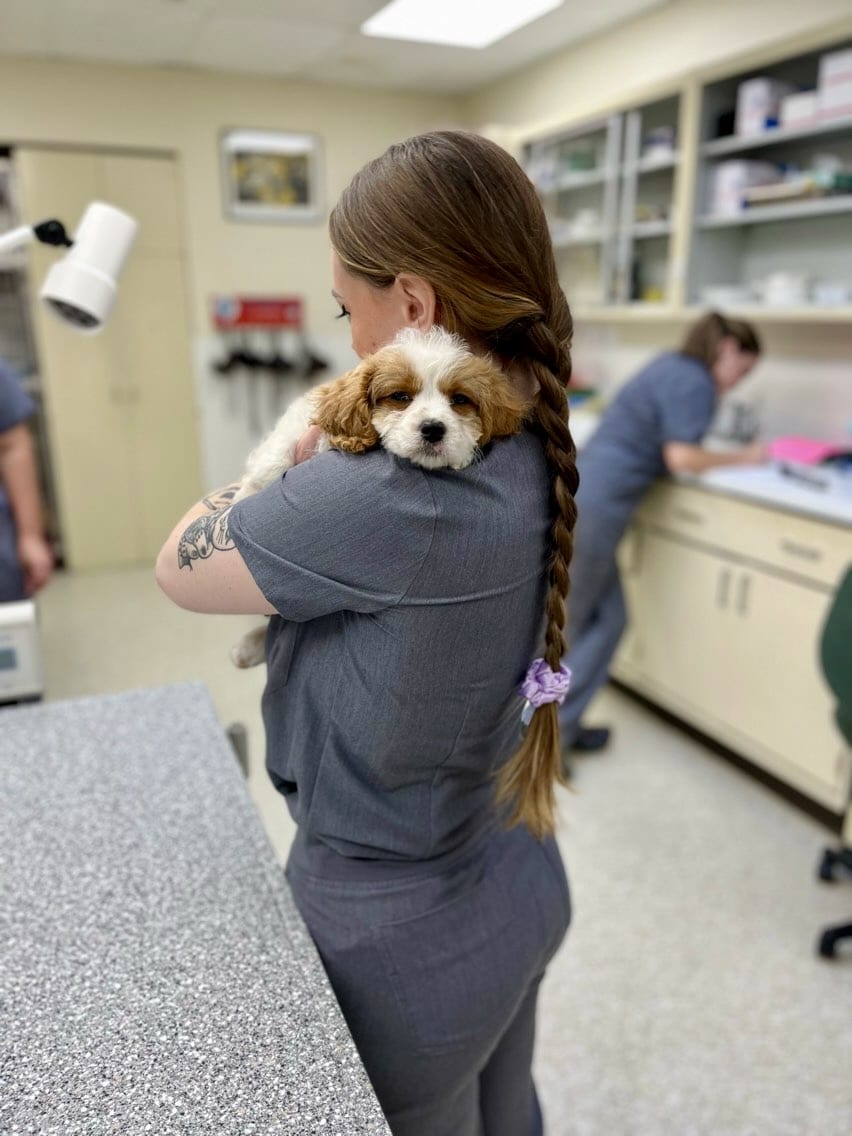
x,y
432,430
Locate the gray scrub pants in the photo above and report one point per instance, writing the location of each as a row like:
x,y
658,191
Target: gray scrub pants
x,y
437,974
597,617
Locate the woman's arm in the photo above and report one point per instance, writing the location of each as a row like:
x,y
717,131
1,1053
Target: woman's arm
x,y
199,567
19,478
683,457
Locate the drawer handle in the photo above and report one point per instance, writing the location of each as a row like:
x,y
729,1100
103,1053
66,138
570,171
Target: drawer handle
x,y
687,515
803,551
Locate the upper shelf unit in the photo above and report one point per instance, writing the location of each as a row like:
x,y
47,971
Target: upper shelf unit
x,y
608,192
772,219
732,192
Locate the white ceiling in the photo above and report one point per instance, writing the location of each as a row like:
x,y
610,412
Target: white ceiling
x,y
297,39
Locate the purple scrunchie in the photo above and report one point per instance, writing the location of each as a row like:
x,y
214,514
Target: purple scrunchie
x,y
541,684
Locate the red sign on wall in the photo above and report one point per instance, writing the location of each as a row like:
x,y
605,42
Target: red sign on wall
x,y
257,311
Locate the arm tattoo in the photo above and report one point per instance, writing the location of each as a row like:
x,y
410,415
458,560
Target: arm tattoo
x,y
207,534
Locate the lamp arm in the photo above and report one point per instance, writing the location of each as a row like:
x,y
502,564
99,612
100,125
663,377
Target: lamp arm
x,y
16,238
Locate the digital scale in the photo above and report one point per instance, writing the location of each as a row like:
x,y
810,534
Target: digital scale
x,y
21,676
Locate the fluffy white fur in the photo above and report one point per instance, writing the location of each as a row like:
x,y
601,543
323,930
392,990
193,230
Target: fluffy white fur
x,y
425,397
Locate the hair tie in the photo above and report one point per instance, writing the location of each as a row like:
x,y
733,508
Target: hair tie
x,y
542,684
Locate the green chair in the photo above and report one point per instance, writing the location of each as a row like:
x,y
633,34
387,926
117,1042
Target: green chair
x,y
836,659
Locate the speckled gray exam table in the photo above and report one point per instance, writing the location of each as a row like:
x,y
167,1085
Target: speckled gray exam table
x,y
156,976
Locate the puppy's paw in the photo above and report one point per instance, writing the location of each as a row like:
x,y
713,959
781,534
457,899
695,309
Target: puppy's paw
x,y
250,651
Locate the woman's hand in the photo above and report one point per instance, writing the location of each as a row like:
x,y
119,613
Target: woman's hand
x,y
306,446
35,557
755,453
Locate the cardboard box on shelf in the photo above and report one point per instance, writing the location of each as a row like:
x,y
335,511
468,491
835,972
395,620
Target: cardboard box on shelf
x,y
799,109
835,83
730,179
758,104
835,67
836,100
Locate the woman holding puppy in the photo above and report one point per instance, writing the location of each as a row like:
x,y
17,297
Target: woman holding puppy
x,y
413,613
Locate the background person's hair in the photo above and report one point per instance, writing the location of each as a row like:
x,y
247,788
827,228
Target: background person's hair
x,y
458,210
702,339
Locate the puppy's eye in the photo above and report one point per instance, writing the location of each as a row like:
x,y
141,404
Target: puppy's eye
x,y
400,396
460,400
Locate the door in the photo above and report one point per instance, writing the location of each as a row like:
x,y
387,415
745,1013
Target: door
x,y
122,421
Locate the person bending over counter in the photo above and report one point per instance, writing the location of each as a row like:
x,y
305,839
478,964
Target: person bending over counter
x,y
653,426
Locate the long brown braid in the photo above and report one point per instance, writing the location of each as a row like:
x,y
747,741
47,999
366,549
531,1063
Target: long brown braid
x,y
457,210
527,781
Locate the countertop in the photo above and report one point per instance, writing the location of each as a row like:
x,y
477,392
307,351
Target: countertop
x,y
768,485
157,977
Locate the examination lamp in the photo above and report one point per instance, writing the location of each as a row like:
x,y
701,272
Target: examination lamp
x,y
80,288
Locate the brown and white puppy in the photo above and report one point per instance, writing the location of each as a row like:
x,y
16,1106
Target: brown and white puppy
x,y
425,397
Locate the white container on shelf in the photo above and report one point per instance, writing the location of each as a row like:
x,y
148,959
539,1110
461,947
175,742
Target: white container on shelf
x,y
757,101
731,178
800,108
835,83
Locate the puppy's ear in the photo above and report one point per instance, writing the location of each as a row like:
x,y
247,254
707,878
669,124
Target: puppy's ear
x,y
344,412
501,409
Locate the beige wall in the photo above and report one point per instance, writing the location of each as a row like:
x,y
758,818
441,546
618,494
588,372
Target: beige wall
x,y
662,47
184,111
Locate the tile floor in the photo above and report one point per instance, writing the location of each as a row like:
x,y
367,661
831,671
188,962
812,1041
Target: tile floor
x,y
687,999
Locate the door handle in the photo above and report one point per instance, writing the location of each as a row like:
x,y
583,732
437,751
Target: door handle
x,y
803,551
743,594
722,588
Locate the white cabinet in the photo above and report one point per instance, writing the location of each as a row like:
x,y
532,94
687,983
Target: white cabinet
x,y
608,191
727,602
785,244
577,173
637,227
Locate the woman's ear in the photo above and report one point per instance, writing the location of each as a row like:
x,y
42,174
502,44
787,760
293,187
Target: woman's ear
x,y
418,300
344,412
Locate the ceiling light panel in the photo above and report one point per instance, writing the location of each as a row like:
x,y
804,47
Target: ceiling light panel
x,y
455,23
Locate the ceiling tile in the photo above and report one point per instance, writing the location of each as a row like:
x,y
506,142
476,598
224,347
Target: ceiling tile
x,y
268,46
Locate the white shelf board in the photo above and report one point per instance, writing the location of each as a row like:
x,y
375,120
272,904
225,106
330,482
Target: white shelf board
x,y
736,143
593,237
765,313
648,312
651,165
627,313
643,229
576,180
787,211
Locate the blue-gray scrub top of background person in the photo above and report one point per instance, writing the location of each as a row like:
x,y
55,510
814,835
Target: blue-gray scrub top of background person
x,y
672,399
16,406
411,605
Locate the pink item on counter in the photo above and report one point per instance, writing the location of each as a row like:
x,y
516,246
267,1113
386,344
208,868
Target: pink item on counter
x,y
809,451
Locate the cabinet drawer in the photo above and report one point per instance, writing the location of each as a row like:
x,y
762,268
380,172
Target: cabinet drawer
x,y
745,531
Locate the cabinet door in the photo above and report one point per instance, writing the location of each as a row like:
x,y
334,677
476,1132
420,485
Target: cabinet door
x,y
676,605
781,710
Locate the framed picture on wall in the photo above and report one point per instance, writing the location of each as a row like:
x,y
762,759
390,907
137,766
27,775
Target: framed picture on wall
x,y
271,176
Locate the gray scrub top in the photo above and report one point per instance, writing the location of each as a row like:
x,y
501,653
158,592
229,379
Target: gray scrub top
x,y
16,406
411,604
672,399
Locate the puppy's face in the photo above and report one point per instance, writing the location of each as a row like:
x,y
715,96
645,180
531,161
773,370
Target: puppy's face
x,y
426,398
